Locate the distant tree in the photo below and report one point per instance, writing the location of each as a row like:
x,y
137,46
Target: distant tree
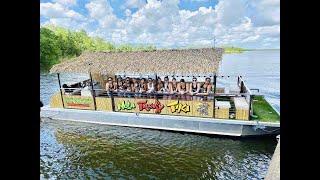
x,y
49,48
57,43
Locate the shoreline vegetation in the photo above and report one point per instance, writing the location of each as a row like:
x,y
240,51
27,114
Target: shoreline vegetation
x,y
231,50
59,44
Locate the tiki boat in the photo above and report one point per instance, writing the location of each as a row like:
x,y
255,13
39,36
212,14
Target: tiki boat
x,y
229,109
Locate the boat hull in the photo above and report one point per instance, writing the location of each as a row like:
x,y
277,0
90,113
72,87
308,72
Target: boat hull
x,y
165,122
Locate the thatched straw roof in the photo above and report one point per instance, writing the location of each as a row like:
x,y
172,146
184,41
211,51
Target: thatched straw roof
x,y
164,62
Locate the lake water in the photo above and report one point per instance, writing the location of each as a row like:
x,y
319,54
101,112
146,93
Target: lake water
x,y
71,150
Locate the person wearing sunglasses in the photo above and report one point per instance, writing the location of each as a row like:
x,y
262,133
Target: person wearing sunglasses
x,y
194,88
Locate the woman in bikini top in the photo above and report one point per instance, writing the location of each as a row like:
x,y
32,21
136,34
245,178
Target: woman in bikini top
x,y
142,86
173,86
182,86
194,86
121,87
110,85
206,87
136,87
150,85
166,85
160,85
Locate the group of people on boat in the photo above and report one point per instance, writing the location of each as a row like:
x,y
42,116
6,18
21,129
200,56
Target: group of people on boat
x,y
129,86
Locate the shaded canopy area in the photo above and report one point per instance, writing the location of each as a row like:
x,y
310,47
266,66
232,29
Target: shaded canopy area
x,y
163,62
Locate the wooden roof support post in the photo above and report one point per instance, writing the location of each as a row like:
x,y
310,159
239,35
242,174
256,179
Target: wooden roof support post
x,y
61,94
214,94
93,92
156,88
238,80
250,106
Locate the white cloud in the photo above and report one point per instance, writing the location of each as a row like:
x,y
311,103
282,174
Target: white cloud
x,y
134,3
251,38
99,9
266,12
162,23
102,11
127,12
56,10
230,12
66,2
196,0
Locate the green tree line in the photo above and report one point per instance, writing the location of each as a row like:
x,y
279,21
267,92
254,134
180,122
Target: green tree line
x,y
57,44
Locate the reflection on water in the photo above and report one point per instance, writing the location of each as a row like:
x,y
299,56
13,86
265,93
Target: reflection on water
x,y
74,150
88,151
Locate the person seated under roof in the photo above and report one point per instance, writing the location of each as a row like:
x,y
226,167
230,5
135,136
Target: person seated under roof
x,y
120,88
173,88
127,87
194,88
110,85
205,89
143,86
150,86
182,89
164,87
159,86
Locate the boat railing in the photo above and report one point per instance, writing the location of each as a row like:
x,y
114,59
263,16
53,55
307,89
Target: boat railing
x,y
114,96
88,97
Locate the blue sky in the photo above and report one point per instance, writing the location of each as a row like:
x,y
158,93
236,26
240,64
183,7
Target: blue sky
x,y
170,23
